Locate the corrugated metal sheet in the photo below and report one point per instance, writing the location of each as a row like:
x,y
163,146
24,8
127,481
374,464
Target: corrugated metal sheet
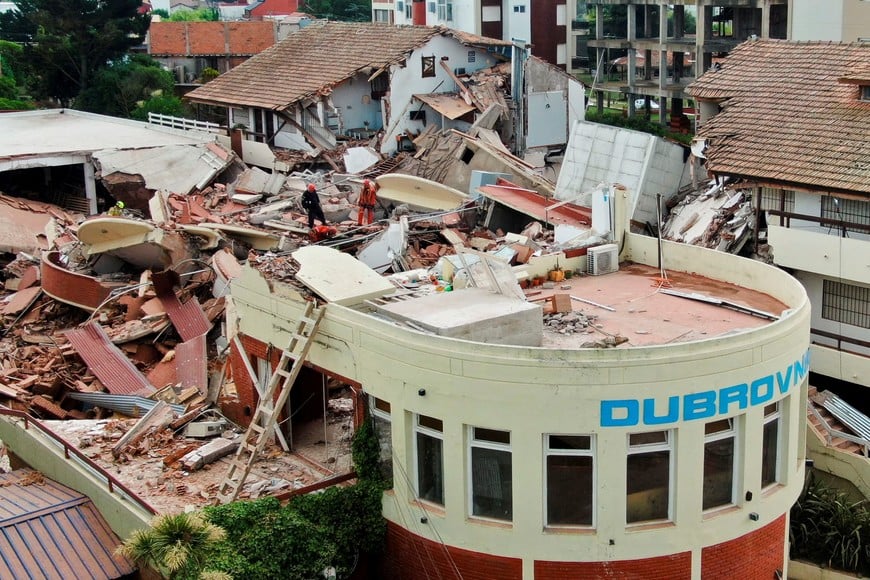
x,y
845,413
129,405
50,531
107,362
191,363
188,318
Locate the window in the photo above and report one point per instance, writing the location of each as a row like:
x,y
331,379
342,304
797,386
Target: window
x,y
570,480
409,10
445,10
380,85
432,7
472,55
850,211
520,8
491,473
718,463
383,426
846,303
865,89
777,199
648,477
400,6
770,445
430,459
428,64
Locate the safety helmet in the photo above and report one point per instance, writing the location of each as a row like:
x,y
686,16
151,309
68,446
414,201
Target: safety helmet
x,y
366,182
120,205
311,187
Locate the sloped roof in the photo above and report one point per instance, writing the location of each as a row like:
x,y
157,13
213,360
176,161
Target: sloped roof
x,y
210,38
787,116
48,530
313,60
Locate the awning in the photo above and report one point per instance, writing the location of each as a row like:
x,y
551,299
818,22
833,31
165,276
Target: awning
x,y
451,105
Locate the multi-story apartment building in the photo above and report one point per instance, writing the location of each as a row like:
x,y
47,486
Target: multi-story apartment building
x,y
542,24
836,20
664,52
797,130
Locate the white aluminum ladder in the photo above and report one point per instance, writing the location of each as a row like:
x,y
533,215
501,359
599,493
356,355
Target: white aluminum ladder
x,y
271,402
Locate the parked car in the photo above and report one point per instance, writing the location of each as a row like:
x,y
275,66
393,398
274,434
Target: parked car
x,y
640,104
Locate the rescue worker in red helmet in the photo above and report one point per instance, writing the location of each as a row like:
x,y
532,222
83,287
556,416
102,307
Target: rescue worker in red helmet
x,y
311,204
367,200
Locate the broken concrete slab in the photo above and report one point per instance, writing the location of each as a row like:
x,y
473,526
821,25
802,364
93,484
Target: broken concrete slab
x,y
358,159
209,453
159,417
339,277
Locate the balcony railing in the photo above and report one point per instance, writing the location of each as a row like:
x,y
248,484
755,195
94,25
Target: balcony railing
x,y
785,218
70,452
841,341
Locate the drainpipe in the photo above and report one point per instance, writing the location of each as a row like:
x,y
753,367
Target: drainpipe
x,y
519,55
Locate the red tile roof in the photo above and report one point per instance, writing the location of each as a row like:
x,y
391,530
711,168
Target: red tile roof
x,y
787,117
210,38
275,7
108,362
48,530
318,57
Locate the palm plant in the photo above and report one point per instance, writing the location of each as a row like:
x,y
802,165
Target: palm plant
x,y
174,544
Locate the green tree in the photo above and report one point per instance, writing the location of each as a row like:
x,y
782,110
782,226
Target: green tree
x,y
175,545
68,41
120,88
344,10
202,14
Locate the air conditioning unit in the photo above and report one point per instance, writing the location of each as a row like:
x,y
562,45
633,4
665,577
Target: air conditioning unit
x,y
602,259
205,428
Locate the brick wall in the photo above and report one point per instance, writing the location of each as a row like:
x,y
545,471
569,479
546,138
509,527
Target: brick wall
x,y
755,556
672,567
411,557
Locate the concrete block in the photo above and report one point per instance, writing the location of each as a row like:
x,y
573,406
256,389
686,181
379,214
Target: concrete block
x,y
209,453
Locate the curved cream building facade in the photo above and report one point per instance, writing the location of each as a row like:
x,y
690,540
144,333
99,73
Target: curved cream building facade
x,y
673,460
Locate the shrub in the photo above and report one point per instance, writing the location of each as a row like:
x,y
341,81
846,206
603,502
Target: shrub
x,y
829,529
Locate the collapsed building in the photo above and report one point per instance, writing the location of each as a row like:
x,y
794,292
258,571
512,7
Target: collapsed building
x,y
520,321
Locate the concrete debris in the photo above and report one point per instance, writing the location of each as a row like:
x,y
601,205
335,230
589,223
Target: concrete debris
x,y
120,315
718,216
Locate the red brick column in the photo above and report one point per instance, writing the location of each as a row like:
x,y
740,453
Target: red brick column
x,y
672,567
411,557
755,556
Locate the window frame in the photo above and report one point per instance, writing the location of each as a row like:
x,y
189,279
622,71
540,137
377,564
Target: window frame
x,y
774,417
434,434
549,451
378,414
731,433
474,442
845,303
642,448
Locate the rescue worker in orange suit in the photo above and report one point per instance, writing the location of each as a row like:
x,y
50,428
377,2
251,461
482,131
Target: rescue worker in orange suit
x,y
311,204
367,200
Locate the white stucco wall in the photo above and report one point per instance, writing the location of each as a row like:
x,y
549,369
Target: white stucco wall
x,y
643,163
352,99
407,80
812,22
535,391
517,25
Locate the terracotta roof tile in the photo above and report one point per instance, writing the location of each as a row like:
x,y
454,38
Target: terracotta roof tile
x,y
210,38
316,58
787,117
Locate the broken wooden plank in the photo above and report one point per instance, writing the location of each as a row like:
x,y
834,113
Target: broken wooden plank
x,y
160,416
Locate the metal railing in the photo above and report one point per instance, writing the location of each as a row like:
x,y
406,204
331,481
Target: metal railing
x,y
70,452
184,124
830,432
312,125
838,225
841,340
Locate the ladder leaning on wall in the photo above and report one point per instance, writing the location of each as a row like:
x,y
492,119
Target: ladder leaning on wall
x,y
271,402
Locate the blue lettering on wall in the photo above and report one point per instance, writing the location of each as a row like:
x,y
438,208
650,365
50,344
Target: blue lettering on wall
x,y
626,418
649,412
733,394
704,404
